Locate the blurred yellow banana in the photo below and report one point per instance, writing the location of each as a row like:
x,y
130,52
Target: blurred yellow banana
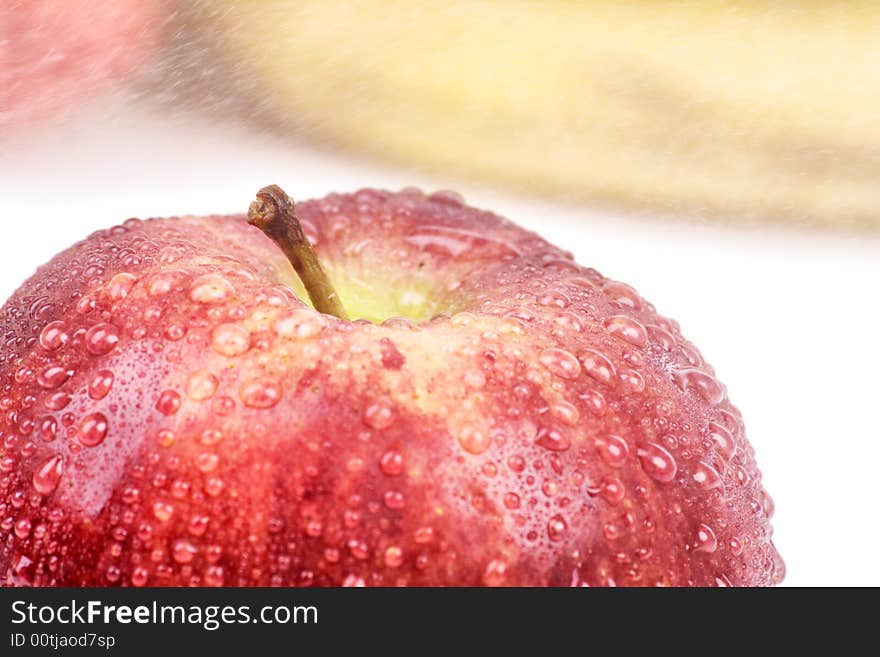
x,y
746,109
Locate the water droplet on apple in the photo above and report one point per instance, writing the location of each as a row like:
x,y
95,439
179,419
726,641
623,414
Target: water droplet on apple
x,y
597,365
391,463
722,581
393,556
554,299
26,426
57,401
53,376
165,438
703,384
210,437
183,551
92,430
631,382
736,546
732,420
404,299
180,488
567,322
581,281
260,393
552,439
222,405
207,462
705,540
611,531
210,288
139,576
230,340
168,402
214,576
473,440
723,440
462,319
594,402
48,475
612,490
113,573
102,338
53,336
101,383
162,511
495,573
213,553
565,412
690,354
423,535
627,329
613,450
22,528
161,283
767,504
657,462
379,414
85,305
549,488
23,374
359,550
706,476
48,428
214,486
560,362
353,581
511,326
511,501
175,332
622,295
394,499
556,528
662,337
447,197
516,463
300,324
201,385
120,285
198,524
131,495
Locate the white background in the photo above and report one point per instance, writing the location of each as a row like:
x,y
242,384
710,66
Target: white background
x,y
788,319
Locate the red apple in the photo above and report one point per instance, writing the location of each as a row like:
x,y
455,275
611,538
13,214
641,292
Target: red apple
x,y
174,413
54,55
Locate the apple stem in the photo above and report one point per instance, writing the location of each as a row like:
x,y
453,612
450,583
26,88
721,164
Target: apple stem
x,y
273,213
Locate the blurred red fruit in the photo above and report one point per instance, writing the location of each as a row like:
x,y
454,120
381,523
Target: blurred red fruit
x,y
57,55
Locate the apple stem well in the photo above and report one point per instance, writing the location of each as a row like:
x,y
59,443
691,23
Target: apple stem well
x,y
273,212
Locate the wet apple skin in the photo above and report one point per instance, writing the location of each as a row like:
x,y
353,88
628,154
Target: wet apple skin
x,y
174,414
